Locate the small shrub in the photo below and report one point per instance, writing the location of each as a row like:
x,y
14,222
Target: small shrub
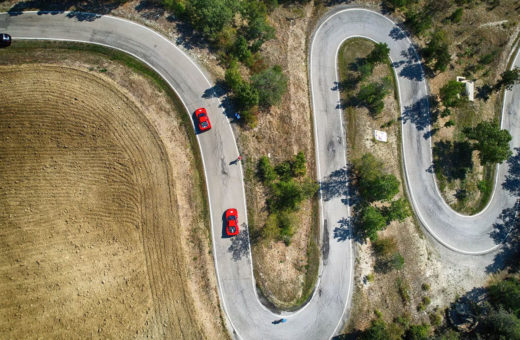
x,y
403,290
370,221
265,170
397,261
271,85
371,96
418,332
284,170
449,123
299,165
398,210
379,53
436,319
456,17
385,246
488,58
370,277
425,287
453,93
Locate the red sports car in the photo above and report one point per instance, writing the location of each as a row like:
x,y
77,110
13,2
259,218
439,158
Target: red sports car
x,y
203,119
231,222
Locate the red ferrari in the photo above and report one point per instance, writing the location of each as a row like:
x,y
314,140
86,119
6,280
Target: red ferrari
x,y
231,222
203,119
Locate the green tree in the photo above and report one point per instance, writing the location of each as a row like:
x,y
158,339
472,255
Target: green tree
x,y
418,21
246,96
298,165
241,50
371,96
265,170
309,187
376,331
379,53
286,195
398,210
508,79
453,93
283,170
210,16
437,49
258,29
370,222
492,142
382,187
271,85
501,324
233,78
506,293
373,184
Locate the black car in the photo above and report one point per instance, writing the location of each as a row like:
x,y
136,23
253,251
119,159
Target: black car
x,y
5,40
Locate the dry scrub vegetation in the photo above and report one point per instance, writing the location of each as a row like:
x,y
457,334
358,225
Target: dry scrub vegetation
x,y
399,292
90,205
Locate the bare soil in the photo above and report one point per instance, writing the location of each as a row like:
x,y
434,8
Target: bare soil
x,y
422,262
91,208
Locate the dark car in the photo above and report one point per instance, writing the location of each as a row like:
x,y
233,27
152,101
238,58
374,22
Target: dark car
x,y
203,119
5,40
231,222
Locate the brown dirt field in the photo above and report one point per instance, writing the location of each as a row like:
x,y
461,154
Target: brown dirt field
x,y
90,208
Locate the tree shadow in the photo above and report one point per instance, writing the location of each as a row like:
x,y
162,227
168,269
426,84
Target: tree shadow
x,y
150,10
483,92
418,113
189,38
216,91
344,231
337,184
507,232
464,311
240,244
452,159
82,16
82,10
413,72
512,181
397,33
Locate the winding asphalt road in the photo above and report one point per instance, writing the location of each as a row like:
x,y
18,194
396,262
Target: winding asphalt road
x,y
323,315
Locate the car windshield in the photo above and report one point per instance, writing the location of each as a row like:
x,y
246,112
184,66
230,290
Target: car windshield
x,y
232,229
232,218
204,124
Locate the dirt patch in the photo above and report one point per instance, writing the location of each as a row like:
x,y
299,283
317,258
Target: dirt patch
x,y
422,263
90,190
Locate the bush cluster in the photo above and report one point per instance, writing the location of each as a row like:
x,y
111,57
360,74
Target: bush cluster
x,y
375,185
287,188
237,30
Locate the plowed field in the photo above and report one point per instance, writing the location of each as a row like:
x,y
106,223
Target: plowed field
x,y
89,235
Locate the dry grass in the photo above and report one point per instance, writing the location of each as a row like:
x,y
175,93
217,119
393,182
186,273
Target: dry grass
x,y
90,208
281,271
